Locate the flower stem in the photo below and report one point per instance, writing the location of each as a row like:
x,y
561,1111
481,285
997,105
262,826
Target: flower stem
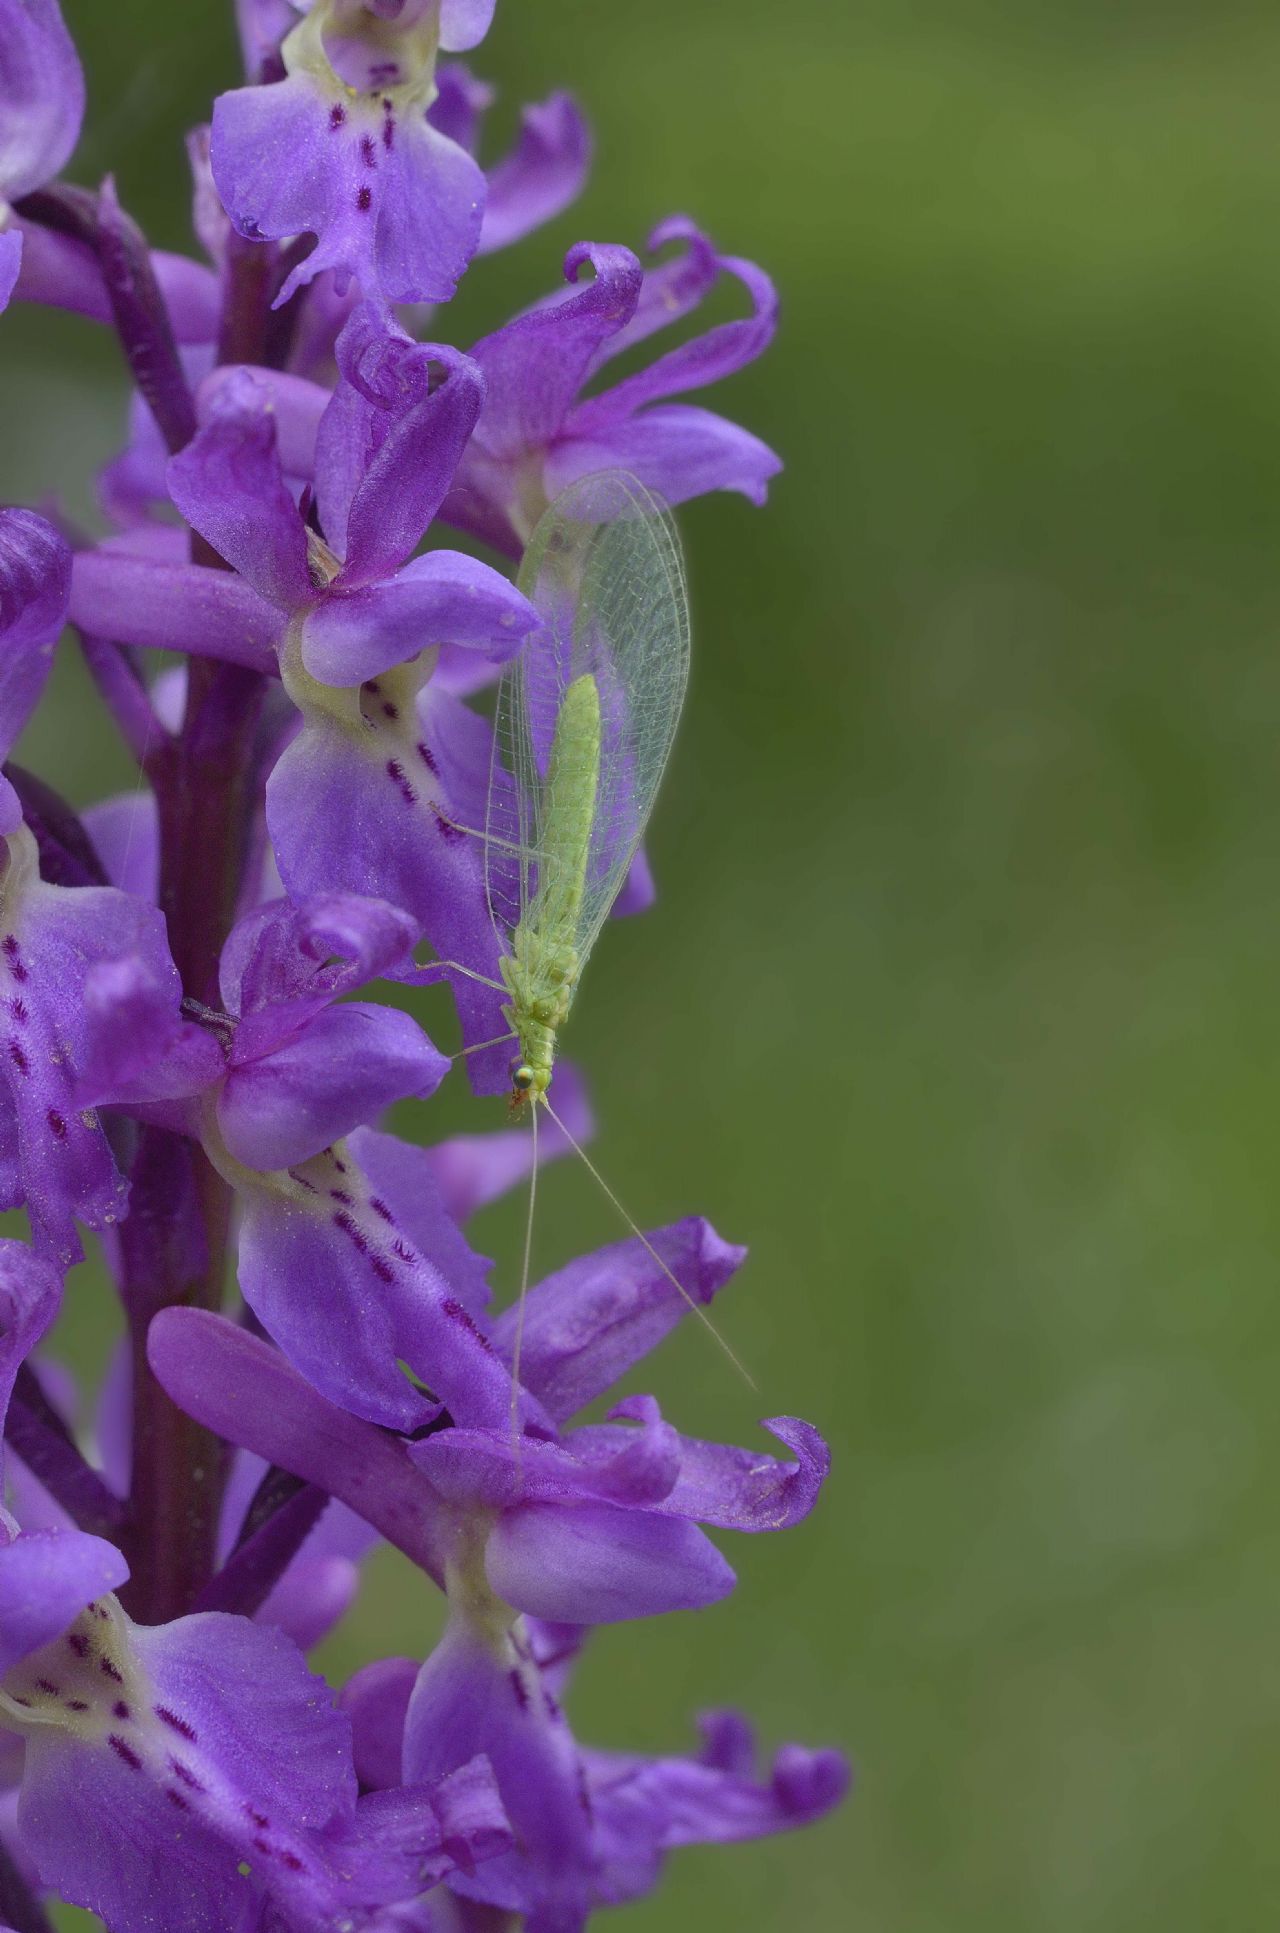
x,y
167,1257
174,1243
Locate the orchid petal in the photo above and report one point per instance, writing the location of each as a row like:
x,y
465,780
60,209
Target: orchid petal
x,y
173,607
229,484
327,1266
543,175
597,1563
348,805
464,23
241,1387
10,264
35,585
389,200
476,1695
138,1048
30,1292
287,961
588,1323
444,595
349,1063
46,1578
389,442
676,450
536,365
376,1700
740,1490
707,358
41,95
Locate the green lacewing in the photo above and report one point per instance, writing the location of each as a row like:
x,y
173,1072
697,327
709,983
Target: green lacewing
x,y
583,728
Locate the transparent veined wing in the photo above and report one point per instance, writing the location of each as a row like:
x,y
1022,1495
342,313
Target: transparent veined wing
x,y
603,569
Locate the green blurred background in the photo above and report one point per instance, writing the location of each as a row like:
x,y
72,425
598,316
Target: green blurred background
x,y
959,1000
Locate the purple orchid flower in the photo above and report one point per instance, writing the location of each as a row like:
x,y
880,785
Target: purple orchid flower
x,y
53,1155
599,1526
639,1808
535,436
362,792
342,148
589,1528
346,1253
195,1772
41,108
643,1808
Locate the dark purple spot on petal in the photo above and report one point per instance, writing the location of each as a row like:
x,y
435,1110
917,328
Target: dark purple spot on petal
x,y
175,1722
13,954
57,1126
390,711
108,1670
18,1008
76,1705
258,1818
343,1221
337,116
380,1208
518,1687
388,127
176,1798
303,1182
403,1250
382,1268
77,1642
395,772
18,1056
47,1684
290,1859
341,1166
368,151
340,1194
184,1772
122,1749
456,1313
447,831
364,199
425,754
120,1709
